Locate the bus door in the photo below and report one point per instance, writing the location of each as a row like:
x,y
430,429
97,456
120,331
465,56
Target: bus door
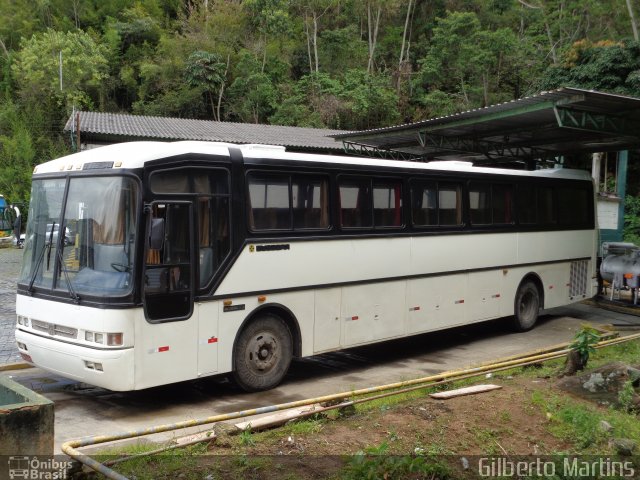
x,y
168,275
189,242
167,338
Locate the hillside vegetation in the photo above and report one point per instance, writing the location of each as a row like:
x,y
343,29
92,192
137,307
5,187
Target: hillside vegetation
x,y
347,64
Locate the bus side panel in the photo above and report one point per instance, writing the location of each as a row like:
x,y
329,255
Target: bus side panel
x,y
165,352
207,314
435,303
373,312
315,263
423,304
485,295
555,277
451,253
545,246
327,325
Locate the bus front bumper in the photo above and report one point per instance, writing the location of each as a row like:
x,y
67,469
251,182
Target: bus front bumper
x,y
110,369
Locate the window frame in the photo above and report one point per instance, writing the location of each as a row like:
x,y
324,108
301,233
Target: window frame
x,y
491,183
289,176
371,180
460,206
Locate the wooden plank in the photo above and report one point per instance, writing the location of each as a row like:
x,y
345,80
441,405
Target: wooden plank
x,y
464,391
196,437
276,419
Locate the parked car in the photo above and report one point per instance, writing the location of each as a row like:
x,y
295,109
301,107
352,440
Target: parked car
x,y
68,237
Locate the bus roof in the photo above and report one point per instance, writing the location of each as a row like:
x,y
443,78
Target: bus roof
x,y
131,155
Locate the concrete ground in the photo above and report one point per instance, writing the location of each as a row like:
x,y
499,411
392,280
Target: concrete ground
x,y
10,259
83,410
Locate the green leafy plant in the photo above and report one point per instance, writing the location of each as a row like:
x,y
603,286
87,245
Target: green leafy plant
x,y
631,230
626,397
246,438
583,343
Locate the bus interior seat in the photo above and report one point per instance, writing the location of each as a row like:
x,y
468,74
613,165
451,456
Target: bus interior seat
x,y
156,280
351,217
271,218
307,218
386,217
449,216
425,216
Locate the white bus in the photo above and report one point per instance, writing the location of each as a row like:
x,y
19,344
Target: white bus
x,y
189,259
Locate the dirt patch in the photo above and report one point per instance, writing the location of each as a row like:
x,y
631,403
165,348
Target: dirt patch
x,y
431,438
501,422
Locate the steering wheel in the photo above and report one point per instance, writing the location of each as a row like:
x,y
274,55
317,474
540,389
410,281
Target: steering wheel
x,y
119,267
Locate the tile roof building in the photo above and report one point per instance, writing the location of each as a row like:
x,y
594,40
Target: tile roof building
x,y
95,129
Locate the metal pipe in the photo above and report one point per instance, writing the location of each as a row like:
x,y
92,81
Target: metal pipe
x,y
70,447
559,346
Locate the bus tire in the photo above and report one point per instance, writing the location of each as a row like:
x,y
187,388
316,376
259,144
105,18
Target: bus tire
x,y
526,306
262,353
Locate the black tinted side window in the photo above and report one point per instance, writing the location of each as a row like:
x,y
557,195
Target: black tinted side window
x,y
269,202
355,203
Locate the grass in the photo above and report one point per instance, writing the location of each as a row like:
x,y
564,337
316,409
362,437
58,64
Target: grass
x,y
579,423
628,352
172,462
375,462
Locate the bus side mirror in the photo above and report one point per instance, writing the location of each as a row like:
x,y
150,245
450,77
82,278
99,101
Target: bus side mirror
x,y
156,235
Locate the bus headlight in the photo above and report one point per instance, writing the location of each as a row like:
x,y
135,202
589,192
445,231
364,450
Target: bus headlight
x,y
113,339
24,321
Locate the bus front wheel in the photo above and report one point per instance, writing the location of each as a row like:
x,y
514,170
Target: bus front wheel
x,y
262,353
526,306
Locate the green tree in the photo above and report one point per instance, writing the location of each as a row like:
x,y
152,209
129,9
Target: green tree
x,y
207,72
342,49
252,95
270,18
471,65
632,219
371,99
27,137
605,65
84,67
162,88
18,154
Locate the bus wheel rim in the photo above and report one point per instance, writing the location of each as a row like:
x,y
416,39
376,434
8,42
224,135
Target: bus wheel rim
x,y
263,352
527,305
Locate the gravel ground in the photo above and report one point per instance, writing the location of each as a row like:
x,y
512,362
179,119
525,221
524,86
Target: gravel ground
x,y
10,259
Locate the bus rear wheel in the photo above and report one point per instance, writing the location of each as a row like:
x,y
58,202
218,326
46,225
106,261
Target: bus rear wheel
x,y
526,306
262,354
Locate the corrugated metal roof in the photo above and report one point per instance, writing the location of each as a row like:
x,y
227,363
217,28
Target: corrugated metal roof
x,y
529,127
110,126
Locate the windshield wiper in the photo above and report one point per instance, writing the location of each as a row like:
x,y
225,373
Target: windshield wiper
x,y
50,244
30,289
63,267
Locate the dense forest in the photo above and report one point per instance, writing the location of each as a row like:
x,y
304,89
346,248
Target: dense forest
x,y
348,64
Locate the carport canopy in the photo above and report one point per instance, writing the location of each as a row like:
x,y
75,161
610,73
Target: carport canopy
x,y
536,129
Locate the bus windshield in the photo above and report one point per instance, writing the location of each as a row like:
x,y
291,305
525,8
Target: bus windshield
x,y
89,248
